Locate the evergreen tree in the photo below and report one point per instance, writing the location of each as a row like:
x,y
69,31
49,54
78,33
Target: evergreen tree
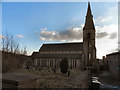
x,y
64,65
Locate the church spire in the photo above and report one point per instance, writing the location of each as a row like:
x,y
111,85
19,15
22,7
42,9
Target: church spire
x,y
89,10
89,24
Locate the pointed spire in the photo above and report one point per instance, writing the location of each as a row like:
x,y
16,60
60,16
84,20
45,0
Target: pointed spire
x,y
89,24
89,10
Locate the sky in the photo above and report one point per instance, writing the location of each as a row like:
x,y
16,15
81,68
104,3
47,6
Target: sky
x,y
35,23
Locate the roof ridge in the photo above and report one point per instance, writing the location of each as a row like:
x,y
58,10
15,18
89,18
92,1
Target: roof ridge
x,y
64,43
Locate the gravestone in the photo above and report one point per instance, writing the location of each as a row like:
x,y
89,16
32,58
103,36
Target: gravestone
x,y
18,80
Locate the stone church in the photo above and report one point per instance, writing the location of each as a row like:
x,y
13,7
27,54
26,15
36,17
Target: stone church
x,y
79,54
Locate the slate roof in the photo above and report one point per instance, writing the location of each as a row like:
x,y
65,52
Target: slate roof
x,y
77,46
58,56
114,53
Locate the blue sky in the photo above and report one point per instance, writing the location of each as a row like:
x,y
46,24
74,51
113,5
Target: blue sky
x,y
35,23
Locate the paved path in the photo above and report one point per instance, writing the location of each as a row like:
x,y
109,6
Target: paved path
x,y
80,81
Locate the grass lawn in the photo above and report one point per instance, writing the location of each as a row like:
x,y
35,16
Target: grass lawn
x,y
49,79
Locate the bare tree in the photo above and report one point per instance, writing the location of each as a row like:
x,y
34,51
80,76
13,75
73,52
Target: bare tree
x,y
16,49
9,44
3,44
25,51
11,56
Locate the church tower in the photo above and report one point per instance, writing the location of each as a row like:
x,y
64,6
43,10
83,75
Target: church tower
x,y
89,49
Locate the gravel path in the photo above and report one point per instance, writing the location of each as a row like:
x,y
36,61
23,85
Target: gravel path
x,y
80,81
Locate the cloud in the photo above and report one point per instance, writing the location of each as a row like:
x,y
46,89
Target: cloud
x,y
75,19
43,29
110,17
64,35
1,36
101,35
21,36
101,20
113,36
107,30
76,33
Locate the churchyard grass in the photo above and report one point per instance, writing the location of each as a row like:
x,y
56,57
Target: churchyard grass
x,y
49,79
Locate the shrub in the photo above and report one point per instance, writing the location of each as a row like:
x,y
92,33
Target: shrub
x,y
64,66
